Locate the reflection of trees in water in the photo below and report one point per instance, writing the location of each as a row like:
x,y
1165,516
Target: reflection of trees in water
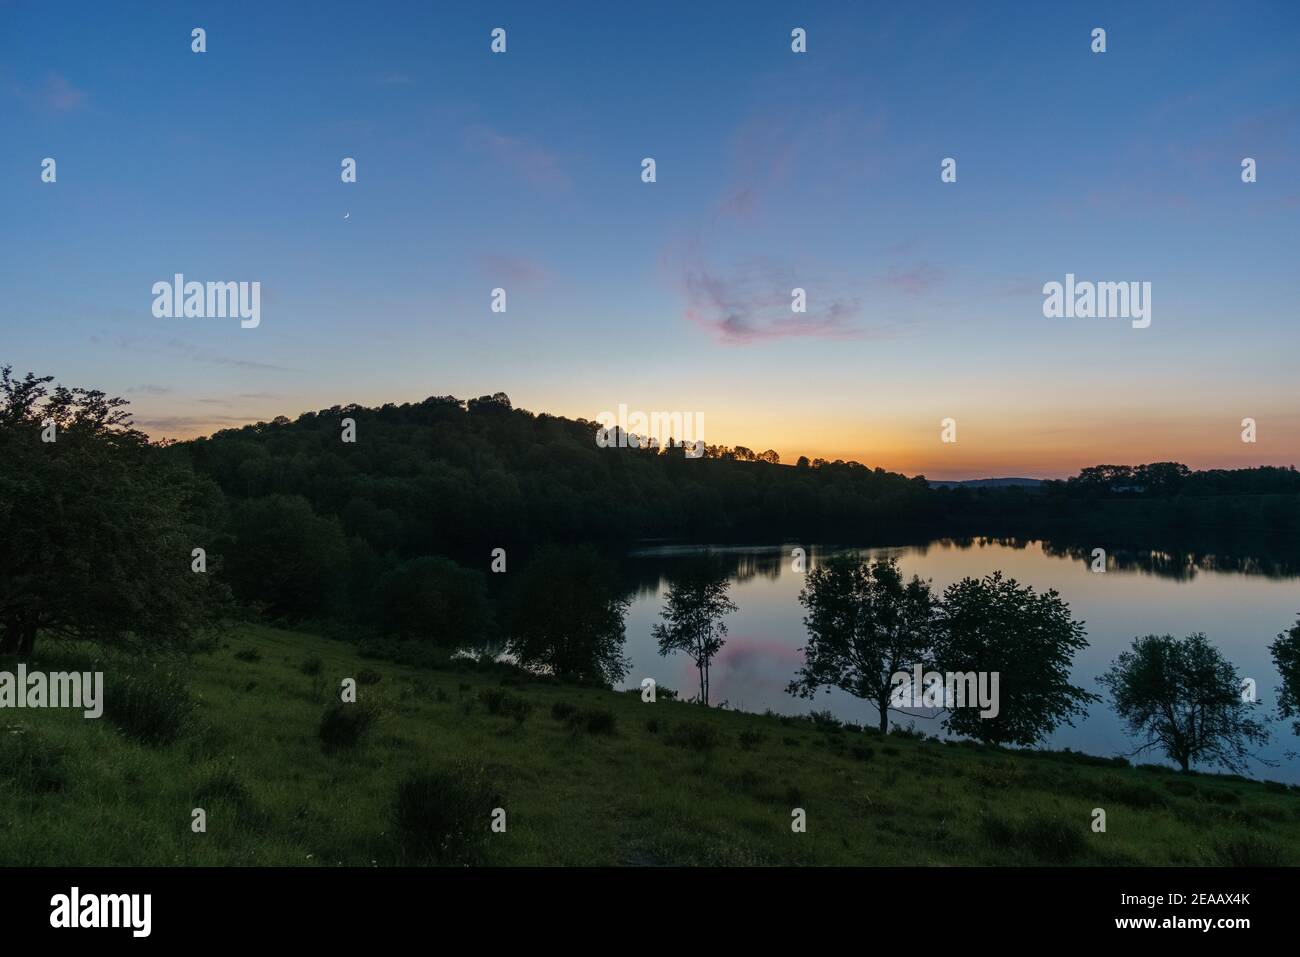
x,y
1183,563
648,571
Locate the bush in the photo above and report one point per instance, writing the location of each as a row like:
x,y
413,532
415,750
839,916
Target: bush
x,y
312,666
226,786
593,720
863,753
248,654
1219,796
151,706
825,721
1053,839
750,739
29,761
652,725
502,702
1248,850
367,676
694,735
443,816
414,654
1130,793
343,725
561,710
1049,839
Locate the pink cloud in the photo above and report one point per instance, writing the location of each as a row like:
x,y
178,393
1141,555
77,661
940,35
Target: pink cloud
x,y
526,159
754,303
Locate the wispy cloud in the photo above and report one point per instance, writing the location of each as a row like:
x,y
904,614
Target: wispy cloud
x,y
514,269
179,348
753,303
530,161
914,279
56,93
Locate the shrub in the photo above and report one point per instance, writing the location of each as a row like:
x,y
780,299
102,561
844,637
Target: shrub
x,y
1248,850
825,721
225,785
1219,796
151,706
30,761
561,710
863,753
593,720
750,739
367,676
1053,839
1130,793
502,702
343,725
248,654
911,732
311,666
414,654
1049,839
652,725
443,816
694,735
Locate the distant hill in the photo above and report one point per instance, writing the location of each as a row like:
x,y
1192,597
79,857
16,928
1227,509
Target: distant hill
x,y
988,483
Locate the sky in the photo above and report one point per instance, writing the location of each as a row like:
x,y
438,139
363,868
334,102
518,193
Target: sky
x,y
774,170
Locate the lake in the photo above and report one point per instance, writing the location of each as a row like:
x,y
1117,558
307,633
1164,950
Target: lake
x,y
1240,604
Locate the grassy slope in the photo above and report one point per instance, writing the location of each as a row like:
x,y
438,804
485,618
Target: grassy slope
x,y
254,762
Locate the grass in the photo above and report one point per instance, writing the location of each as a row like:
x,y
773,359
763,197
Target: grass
x,y
601,778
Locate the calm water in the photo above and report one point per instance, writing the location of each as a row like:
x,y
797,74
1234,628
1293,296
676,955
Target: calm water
x,y
1240,605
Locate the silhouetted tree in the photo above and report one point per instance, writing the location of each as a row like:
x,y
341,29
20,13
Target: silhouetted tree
x,y
1186,699
694,605
865,624
1286,657
94,536
993,625
566,616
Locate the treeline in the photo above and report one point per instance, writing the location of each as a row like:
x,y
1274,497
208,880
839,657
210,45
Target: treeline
x,y
382,518
1168,479
386,521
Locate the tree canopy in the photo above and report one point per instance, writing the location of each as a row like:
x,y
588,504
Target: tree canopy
x,y
1183,697
97,526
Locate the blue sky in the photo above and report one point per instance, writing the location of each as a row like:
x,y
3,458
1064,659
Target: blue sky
x,y
775,170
